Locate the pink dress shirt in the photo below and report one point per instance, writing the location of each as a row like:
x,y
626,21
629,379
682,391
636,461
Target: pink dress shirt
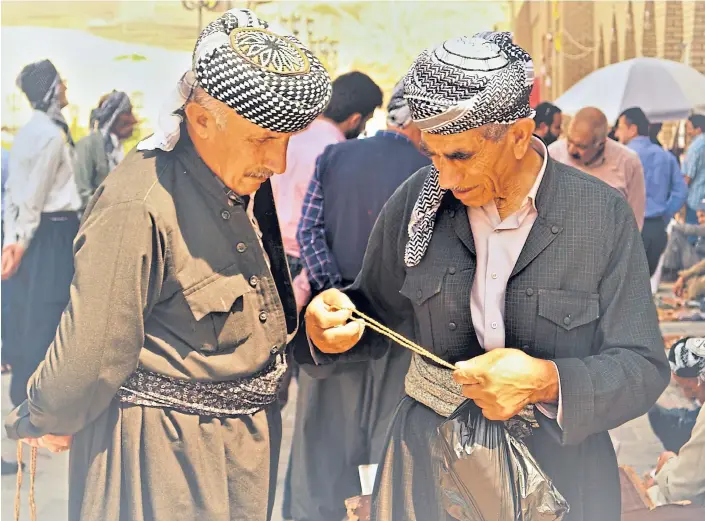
x,y
290,188
619,167
498,244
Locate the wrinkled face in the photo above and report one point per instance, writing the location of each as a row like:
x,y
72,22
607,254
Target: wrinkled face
x,y
241,153
472,166
625,132
583,147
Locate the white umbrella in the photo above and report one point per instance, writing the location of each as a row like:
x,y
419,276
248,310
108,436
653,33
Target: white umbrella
x,y
664,89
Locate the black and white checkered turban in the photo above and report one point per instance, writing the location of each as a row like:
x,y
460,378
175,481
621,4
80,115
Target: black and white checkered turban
x,y
466,83
462,84
687,358
270,79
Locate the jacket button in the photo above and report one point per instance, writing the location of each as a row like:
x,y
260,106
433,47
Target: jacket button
x,y
554,229
567,320
254,281
263,316
529,291
525,347
225,214
451,270
452,326
241,247
419,294
452,213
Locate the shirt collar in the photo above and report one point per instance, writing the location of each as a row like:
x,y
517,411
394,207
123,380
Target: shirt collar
x,y
394,135
329,126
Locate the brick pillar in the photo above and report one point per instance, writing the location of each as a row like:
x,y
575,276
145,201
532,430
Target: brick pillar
x,y
648,42
578,23
697,46
630,34
673,47
601,50
614,45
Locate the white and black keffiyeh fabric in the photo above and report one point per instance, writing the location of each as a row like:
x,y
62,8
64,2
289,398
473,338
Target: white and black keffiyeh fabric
x,y
462,84
270,79
398,112
687,358
103,118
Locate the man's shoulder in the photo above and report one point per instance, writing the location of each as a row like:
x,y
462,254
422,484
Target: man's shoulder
x,y
136,178
621,151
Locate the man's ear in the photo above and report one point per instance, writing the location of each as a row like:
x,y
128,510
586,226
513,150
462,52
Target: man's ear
x,y
520,135
200,119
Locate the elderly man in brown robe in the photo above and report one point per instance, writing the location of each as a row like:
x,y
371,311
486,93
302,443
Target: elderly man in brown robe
x,y
530,276
166,365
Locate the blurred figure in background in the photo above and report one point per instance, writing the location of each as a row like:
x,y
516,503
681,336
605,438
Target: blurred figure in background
x,y
680,254
40,223
666,190
587,148
680,472
548,121
342,418
353,101
694,166
97,154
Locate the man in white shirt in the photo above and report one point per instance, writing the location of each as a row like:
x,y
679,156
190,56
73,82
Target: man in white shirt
x,y
40,222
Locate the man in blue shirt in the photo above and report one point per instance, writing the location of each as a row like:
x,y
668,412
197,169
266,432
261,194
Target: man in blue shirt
x,y
694,165
666,188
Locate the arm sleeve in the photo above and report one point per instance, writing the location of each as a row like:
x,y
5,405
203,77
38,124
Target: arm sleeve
x,y
85,170
119,260
25,209
323,271
636,189
679,189
683,478
628,370
375,292
693,163
697,230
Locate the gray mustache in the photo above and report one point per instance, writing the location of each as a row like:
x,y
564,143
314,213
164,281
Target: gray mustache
x,y
261,174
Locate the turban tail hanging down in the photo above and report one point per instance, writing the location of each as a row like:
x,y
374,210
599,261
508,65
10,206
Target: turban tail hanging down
x,y
269,79
462,84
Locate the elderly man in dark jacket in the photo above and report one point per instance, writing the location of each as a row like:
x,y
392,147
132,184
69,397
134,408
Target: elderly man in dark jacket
x,y
528,275
168,359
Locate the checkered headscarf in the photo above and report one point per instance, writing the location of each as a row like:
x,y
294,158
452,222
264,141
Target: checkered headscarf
x,y
462,84
687,358
270,79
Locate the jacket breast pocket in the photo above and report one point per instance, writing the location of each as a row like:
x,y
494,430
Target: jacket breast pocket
x,y
420,288
566,323
222,316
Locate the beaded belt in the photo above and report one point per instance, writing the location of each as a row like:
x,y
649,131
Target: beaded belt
x,y
246,395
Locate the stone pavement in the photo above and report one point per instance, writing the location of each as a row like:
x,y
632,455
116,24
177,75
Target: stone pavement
x,y
635,444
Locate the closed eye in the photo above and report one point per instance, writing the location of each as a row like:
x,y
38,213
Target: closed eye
x,y
427,151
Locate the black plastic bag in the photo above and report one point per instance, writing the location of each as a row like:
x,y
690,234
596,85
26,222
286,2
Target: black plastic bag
x,y
488,474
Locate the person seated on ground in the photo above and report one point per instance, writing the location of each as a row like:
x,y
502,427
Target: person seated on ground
x,y
681,477
680,254
691,282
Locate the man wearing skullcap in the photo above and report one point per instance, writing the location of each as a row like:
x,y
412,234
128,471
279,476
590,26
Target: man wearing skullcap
x,y
680,477
40,222
528,275
97,154
351,183
168,359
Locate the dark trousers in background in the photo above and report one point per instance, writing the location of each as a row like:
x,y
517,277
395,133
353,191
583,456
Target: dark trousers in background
x,y
691,217
655,239
40,293
672,426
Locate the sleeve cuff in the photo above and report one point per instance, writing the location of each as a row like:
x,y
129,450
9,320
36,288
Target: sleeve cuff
x,y
552,410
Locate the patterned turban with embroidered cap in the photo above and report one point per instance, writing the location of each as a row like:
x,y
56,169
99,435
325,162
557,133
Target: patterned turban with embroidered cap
x,y
269,79
462,84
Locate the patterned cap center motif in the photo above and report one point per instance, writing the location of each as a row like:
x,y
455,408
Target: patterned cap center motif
x,y
269,51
